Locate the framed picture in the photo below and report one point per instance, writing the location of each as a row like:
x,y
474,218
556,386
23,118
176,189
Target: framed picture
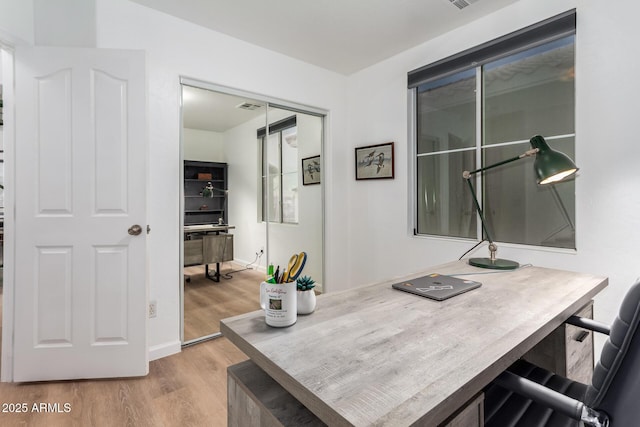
x,y
311,170
375,161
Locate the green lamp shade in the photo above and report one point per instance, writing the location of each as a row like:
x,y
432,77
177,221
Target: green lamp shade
x,y
550,165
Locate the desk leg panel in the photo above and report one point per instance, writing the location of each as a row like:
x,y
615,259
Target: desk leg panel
x,y
242,411
257,400
469,415
567,351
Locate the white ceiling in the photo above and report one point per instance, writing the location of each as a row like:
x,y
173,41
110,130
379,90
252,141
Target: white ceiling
x,y
343,36
340,35
213,111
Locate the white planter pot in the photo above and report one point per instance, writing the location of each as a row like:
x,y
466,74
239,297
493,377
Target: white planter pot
x,y
306,301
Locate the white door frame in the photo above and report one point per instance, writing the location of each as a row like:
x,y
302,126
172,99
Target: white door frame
x,y
6,61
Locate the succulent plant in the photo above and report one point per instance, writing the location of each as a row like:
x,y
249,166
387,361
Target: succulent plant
x,y
305,283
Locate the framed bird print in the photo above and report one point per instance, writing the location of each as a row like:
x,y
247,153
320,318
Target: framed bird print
x,y
375,161
311,170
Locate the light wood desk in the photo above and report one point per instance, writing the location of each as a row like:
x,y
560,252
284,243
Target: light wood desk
x,y
378,356
203,244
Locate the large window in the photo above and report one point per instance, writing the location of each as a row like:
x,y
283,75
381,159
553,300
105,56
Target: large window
x,y
280,172
470,116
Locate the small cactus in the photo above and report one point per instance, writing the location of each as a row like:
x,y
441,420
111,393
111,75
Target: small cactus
x,y
305,283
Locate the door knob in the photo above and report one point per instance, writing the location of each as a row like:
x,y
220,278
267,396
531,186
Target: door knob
x,y
135,229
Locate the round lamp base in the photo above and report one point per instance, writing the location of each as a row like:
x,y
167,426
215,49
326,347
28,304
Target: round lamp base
x,y
497,264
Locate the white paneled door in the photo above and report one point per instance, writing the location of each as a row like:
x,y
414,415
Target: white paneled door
x,y
80,214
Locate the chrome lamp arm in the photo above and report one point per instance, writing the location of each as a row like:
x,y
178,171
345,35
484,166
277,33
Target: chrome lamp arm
x,y
528,153
209,189
493,261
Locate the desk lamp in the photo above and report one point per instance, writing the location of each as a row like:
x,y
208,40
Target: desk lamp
x,y
550,166
207,192
209,189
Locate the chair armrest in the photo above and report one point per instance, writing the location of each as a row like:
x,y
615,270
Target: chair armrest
x,y
590,324
552,399
541,394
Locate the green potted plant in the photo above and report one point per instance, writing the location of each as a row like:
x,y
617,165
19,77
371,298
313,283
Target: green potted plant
x,y
306,295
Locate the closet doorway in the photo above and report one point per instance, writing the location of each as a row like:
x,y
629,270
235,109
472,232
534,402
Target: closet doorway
x,y
244,199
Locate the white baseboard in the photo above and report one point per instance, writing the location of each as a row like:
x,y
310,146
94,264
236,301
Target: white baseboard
x,y
164,350
242,263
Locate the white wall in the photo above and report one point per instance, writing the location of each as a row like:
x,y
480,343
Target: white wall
x,y
16,21
203,145
48,22
241,147
607,151
176,48
55,26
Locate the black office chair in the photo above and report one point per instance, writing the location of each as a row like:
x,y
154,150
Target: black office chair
x,y
528,396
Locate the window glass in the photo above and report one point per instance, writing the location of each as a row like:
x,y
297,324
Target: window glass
x,y
530,93
522,94
518,210
290,197
446,117
445,206
446,113
272,197
280,186
290,150
290,175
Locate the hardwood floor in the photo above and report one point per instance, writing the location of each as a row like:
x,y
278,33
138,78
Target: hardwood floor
x,y
186,389
206,301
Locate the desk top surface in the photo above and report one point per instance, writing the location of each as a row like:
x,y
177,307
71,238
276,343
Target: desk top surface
x,y
207,227
376,355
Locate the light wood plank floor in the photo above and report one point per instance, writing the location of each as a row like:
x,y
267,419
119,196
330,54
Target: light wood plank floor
x,y
186,389
207,302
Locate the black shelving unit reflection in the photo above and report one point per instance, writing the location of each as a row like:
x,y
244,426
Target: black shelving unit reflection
x,y
200,210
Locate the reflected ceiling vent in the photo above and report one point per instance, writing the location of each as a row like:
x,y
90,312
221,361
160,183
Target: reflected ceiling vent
x,y
248,106
461,4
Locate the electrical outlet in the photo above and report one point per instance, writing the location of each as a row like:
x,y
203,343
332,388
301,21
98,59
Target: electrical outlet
x,y
153,309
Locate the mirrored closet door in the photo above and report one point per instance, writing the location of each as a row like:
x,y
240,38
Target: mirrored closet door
x,y
245,200
292,191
